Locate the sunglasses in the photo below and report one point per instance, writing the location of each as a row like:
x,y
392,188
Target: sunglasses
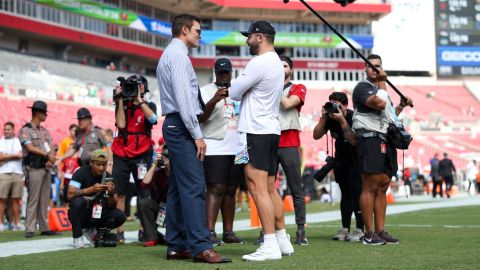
x,y
199,31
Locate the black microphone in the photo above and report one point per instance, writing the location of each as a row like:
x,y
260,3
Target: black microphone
x,y
286,1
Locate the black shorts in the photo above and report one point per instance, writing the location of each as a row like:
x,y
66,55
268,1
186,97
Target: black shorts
x,y
123,167
263,151
223,170
376,156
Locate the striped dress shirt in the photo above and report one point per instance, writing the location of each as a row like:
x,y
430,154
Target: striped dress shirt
x,y
178,85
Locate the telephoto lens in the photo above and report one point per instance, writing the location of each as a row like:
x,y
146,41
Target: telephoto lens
x,y
320,174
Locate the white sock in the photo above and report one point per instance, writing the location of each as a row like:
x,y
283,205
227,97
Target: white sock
x,y
270,239
281,233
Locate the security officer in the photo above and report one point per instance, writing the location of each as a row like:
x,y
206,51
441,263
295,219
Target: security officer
x,y
88,139
38,158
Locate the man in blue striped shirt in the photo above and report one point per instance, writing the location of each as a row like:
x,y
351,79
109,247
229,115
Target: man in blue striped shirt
x,y
187,235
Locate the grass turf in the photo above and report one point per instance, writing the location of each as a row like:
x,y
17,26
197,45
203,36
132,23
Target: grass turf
x,y
430,239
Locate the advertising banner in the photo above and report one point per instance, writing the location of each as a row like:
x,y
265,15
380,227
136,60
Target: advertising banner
x,y
210,37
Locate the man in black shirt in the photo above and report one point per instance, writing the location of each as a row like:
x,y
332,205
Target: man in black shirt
x,y
377,158
87,182
446,170
346,172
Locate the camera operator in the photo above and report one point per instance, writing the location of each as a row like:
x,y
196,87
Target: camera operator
x,y
133,147
219,124
85,190
154,188
377,157
337,118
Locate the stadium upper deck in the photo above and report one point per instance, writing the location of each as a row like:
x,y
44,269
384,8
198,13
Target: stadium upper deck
x,y
132,34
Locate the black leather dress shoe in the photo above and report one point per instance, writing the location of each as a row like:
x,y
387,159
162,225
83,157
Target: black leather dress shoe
x,y
29,234
179,255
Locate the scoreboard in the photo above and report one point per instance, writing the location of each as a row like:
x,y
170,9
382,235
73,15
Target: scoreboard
x,y
457,30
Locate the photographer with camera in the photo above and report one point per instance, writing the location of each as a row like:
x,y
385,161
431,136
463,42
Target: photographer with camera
x,y
153,199
337,118
92,204
133,147
219,124
377,156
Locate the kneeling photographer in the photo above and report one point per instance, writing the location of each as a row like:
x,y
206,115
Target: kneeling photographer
x,y
133,147
93,206
337,119
152,199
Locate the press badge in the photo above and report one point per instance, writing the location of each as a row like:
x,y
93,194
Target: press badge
x,y
97,211
162,214
227,110
383,148
141,170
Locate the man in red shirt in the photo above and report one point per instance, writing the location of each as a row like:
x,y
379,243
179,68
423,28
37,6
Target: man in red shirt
x,y
133,147
293,98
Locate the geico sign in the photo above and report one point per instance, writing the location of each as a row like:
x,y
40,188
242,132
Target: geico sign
x,y
461,56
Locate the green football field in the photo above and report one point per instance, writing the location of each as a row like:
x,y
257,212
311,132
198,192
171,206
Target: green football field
x,y
431,239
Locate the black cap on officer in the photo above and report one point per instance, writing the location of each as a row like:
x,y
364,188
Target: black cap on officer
x,y
39,105
223,64
83,113
261,27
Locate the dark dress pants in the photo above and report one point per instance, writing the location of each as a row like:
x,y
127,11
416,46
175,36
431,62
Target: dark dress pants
x,y
80,217
186,220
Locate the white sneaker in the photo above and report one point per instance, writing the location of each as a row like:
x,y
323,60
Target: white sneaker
x,y
90,235
78,242
18,227
356,236
341,235
2,228
285,246
264,253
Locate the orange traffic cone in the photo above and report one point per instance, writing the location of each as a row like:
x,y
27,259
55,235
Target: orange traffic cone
x,y
288,204
254,218
390,198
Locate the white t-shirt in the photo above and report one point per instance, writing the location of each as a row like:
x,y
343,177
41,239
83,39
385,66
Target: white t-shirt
x,y
10,147
229,144
260,89
472,171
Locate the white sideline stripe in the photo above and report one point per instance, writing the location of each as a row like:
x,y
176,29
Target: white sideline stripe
x,y
45,245
407,226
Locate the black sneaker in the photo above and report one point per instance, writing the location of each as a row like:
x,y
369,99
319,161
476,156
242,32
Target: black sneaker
x,y
372,239
388,238
120,237
50,233
259,240
141,236
301,238
231,238
213,239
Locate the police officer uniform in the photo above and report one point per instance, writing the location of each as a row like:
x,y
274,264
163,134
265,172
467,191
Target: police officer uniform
x,y
37,176
90,140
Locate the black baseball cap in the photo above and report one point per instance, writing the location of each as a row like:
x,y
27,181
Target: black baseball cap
x,y
83,113
39,105
262,27
223,64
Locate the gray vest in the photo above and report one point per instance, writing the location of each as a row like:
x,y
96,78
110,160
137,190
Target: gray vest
x,y
370,121
216,126
289,119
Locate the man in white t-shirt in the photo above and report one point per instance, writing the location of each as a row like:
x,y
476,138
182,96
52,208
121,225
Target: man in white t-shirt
x,y
11,183
219,124
260,89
